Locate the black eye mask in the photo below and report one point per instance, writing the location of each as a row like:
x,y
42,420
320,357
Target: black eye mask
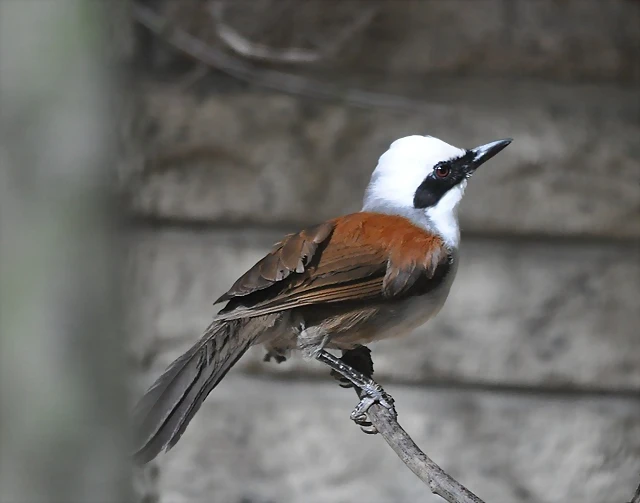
x,y
434,187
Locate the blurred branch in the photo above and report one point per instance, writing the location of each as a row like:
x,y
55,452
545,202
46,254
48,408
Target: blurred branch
x,y
214,57
244,47
63,389
636,496
270,19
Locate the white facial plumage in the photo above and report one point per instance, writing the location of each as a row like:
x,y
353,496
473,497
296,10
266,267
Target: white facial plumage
x,y
399,173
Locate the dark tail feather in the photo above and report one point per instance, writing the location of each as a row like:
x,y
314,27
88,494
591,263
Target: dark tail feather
x,y
163,413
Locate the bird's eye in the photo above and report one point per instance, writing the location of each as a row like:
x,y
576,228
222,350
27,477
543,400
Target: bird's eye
x,y
442,171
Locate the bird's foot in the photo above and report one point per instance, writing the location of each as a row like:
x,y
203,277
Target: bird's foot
x,y
355,369
277,357
369,395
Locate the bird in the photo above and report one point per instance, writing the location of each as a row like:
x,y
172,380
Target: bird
x,y
339,285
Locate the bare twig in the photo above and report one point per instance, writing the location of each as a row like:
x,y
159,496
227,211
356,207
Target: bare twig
x,y
272,79
244,47
636,496
254,50
270,18
387,425
417,461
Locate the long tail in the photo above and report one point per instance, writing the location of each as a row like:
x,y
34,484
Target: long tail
x,y
163,413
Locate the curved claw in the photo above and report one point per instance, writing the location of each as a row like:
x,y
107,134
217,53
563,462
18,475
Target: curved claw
x,y
374,394
361,420
370,395
361,409
365,425
343,382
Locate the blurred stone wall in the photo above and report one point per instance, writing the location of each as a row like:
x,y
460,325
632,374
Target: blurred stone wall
x,y
526,387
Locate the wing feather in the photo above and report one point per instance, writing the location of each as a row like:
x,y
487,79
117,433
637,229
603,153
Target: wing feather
x,y
281,262
358,257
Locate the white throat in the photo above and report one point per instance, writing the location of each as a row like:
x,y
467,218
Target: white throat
x,y
443,217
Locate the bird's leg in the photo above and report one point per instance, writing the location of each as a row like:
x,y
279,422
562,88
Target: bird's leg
x,y
370,391
358,358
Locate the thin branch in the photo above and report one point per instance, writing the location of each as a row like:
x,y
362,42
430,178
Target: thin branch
x,y
416,460
272,79
269,18
244,47
636,496
254,50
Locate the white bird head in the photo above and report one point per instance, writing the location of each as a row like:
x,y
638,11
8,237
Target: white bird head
x,y
423,178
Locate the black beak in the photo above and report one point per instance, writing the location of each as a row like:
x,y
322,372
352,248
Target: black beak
x,y
485,152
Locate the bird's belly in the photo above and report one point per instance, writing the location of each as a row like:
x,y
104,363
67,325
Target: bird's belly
x,y
340,329
393,320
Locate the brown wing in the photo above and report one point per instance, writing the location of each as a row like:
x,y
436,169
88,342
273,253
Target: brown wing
x,y
364,256
292,254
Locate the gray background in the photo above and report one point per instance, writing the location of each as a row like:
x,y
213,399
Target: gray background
x,y
526,386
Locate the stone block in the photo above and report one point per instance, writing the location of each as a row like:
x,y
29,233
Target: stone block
x,y
562,40
261,158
